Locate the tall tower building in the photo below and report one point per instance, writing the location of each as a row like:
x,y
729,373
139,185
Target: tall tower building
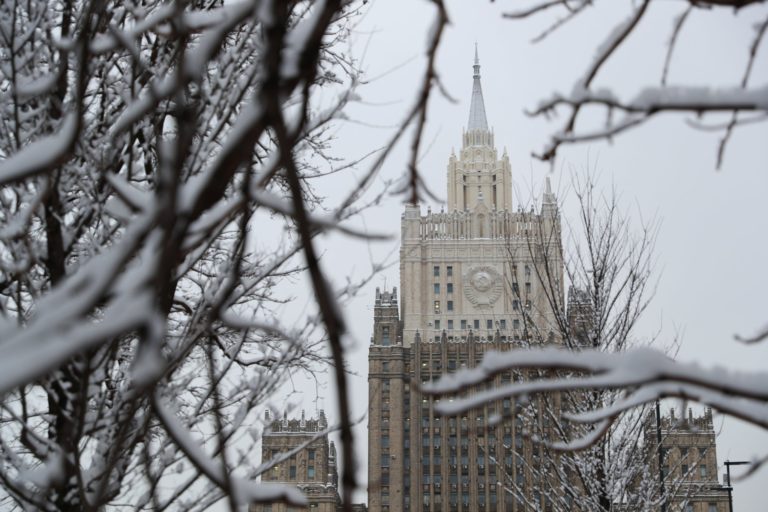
x,y
472,279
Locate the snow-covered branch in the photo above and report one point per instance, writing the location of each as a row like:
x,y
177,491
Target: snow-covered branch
x,y
148,167
650,100
645,374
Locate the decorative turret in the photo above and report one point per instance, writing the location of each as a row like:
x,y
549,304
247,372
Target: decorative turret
x,y
478,175
386,319
548,201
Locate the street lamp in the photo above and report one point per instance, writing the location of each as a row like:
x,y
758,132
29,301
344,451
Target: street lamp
x,y
661,456
728,465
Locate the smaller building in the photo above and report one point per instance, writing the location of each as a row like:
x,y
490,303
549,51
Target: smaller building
x,y
689,462
307,459
311,468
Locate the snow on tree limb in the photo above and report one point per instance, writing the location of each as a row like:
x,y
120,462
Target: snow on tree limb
x,y
41,155
651,100
129,263
658,99
244,491
645,373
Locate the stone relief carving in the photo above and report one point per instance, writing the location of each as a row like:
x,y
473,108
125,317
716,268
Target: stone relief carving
x,y
482,286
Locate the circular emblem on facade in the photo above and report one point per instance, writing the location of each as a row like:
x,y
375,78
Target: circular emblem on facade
x,y
482,286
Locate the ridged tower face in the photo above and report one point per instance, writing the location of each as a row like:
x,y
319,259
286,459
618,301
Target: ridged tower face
x,y
467,285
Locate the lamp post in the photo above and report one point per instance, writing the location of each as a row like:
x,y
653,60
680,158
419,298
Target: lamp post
x,y
728,465
661,457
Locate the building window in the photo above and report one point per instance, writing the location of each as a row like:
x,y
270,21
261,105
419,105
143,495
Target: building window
x,y
292,473
463,324
527,287
310,472
516,305
527,271
476,323
503,324
437,322
384,367
712,507
689,507
385,335
449,287
385,441
437,288
310,452
450,325
437,307
489,324
703,471
516,324
449,271
436,271
450,305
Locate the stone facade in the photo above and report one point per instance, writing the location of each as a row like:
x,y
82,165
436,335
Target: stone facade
x,y
689,455
312,468
480,276
471,281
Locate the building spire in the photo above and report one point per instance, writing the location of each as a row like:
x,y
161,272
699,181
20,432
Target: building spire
x,y
477,119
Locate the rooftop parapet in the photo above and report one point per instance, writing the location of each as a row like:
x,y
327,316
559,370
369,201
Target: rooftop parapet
x,y
462,225
296,426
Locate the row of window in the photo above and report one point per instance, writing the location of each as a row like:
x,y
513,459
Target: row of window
x,y
292,472
449,304
436,271
684,451
449,270
684,470
448,288
464,324
271,454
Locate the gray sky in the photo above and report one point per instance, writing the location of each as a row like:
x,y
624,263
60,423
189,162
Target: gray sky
x,y
712,248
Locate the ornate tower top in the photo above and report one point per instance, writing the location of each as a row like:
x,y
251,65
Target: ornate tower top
x,y
477,119
477,177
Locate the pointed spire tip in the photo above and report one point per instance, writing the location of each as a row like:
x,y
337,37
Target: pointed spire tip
x,y
477,118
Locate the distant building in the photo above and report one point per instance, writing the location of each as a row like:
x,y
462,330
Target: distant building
x,y
689,456
475,278
312,469
471,282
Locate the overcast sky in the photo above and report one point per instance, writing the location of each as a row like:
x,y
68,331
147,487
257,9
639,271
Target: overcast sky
x,y
712,248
